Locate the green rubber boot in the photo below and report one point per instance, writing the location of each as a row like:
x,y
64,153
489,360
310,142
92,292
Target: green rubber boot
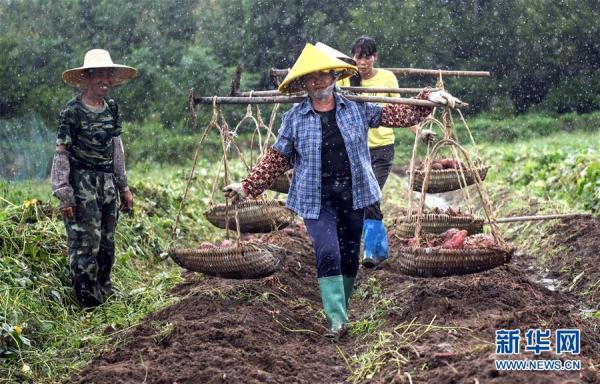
x,y
334,304
348,288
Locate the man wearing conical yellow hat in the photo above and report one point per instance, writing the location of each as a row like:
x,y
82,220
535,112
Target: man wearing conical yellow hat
x,y
88,173
324,139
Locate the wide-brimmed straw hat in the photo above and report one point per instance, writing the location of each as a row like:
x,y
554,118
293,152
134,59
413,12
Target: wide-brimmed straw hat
x,y
335,53
313,59
98,58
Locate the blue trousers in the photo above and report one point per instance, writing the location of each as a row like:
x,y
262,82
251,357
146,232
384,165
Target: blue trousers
x,y
336,238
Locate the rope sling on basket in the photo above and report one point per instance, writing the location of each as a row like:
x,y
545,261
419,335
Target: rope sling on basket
x,y
438,222
419,259
250,216
456,176
241,261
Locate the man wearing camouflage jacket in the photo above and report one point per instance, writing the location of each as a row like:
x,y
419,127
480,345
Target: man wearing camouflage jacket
x,y
88,173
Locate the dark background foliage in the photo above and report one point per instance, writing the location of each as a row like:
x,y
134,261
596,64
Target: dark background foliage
x,y
544,55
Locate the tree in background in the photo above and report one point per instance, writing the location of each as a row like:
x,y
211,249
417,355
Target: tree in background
x,y
260,34
40,39
543,54
534,48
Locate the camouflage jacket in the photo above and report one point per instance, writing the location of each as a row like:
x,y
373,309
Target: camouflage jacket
x,y
89,135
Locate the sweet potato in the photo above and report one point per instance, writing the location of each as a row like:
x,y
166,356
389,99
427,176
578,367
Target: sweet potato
x,y
206,245
447,163
480,241
449,233
227,243
456,241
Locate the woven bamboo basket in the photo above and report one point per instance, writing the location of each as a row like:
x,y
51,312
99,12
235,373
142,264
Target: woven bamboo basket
x,y
255,216
282,183
437,223
437,262
445,180
248,261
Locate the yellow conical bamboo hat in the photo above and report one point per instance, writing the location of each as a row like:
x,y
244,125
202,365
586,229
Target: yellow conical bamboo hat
x,y
311,60
335,53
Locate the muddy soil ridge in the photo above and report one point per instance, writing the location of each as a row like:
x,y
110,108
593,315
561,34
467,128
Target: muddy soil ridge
x,y
437,330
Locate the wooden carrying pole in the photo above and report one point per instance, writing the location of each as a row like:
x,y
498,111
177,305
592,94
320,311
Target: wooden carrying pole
x,y
299,99
385,90
437,72
275,72
541,217
275,92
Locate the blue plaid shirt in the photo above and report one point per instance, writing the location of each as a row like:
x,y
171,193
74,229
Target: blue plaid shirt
x,y
300,138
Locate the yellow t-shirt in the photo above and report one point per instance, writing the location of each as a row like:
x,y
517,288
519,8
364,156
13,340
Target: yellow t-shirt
x,y
381,136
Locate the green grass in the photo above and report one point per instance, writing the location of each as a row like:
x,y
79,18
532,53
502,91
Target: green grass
x,y
560,167
44,336
493,130
17,192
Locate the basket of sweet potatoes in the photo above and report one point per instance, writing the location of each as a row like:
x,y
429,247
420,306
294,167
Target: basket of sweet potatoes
x,y
229,259
447,175
452,252
438,221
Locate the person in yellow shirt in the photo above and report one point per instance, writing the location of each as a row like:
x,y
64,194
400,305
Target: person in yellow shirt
x,y
381,145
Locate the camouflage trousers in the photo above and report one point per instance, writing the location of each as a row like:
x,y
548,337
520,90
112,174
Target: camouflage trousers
x,y
91,234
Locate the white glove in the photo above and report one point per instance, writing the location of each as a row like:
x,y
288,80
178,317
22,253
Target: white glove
x,y
235,191
444,98
427,136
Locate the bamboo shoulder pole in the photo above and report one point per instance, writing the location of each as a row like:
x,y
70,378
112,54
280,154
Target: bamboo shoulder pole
x,y
275,92
385,90
299,99
437,72
249,100
396,100
272,92
541,217
275,72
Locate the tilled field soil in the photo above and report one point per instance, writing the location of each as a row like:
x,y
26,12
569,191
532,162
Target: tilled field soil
x,y
434,330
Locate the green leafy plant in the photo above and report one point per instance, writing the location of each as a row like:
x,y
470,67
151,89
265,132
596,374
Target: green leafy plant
x,y
12,340
44,335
